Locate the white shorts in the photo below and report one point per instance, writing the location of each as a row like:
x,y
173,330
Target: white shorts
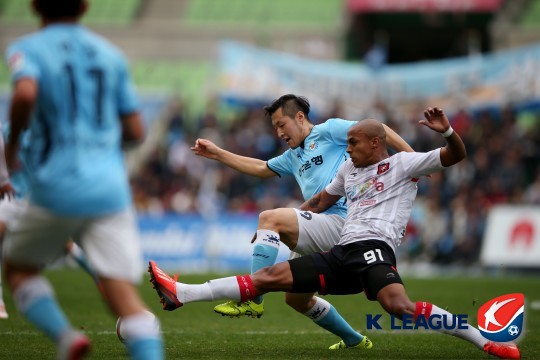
x,y
316,232
10,210
111,242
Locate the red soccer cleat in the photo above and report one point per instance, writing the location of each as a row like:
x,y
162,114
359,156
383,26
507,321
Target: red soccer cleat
x,y
165,287
503,351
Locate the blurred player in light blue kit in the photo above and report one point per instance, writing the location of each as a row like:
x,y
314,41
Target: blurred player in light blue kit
x,y
315,154
72,90
14,191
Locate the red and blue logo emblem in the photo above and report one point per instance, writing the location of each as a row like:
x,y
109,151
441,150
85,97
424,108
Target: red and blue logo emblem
x,y
501,319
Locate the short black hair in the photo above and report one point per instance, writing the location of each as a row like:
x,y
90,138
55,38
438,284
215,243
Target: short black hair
x,y
290,104
56,9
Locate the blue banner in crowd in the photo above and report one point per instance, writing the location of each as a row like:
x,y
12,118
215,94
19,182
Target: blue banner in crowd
x,y
252,73
193,244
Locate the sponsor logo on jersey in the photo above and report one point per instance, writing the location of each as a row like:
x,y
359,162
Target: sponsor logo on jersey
x,y
382,168
313,146
355,191
501,319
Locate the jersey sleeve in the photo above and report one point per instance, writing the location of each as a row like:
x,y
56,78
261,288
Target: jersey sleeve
x,y
21,63
281,164
338,129
421,164
126,96
337,185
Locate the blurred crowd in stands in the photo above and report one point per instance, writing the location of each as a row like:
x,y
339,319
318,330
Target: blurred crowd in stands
x,y
449,215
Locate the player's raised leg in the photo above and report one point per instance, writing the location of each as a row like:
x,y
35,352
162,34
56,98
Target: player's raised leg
x,y
242,288
275,226
175,294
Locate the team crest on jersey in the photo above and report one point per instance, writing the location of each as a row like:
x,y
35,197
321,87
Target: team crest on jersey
x,y
501,319
382,168
313,146
16,62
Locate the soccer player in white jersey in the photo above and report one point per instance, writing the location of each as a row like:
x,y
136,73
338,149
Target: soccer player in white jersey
x,y
380,190
72,90
315,154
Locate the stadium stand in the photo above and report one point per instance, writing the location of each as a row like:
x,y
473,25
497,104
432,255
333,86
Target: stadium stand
x,y
185,79
303,14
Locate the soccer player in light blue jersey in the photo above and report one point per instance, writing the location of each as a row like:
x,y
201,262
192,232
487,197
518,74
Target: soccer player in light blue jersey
x,y
13,204
72,90
316,152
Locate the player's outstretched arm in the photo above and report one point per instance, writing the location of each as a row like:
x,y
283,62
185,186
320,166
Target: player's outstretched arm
x,y
320,202
454,151
395,141
244,164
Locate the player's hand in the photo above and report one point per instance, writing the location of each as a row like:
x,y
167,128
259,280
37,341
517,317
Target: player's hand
x,y
205,148
436,120
7,191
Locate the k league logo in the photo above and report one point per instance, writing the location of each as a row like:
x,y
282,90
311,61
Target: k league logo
x,y
501,319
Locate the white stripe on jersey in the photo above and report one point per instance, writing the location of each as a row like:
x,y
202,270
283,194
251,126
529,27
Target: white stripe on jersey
x,y
380,196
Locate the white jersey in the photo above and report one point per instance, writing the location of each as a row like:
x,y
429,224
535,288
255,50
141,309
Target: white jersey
x,y
380,196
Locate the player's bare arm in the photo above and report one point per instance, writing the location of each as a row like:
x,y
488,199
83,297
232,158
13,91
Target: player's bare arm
x,y
320,202
132,129
25,93
244,164
395,141
454,151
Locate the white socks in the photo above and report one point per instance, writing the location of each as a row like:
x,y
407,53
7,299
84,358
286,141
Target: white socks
x,y
224,288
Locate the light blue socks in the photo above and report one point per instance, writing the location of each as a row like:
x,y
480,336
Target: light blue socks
x,y
35,300
327,317
265,252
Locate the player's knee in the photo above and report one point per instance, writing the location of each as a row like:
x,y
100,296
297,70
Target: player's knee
x,y
269,219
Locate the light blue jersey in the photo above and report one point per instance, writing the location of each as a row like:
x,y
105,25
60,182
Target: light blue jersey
x,y
315,163
75,161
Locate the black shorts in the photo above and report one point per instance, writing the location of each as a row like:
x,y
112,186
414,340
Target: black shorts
x,y
365,266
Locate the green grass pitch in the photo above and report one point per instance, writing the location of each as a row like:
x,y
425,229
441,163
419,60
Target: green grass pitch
x,y
196,332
